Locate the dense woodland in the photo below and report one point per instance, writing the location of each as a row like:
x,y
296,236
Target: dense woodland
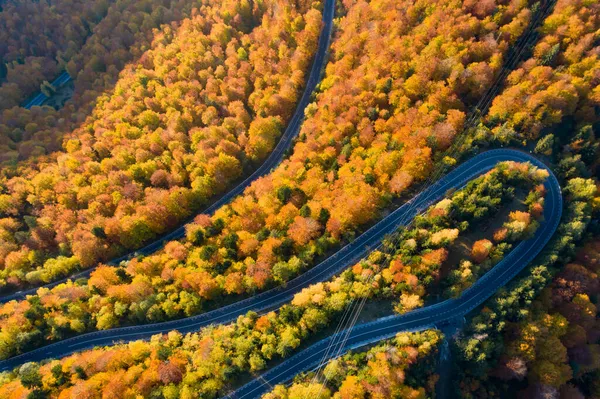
x,y
548,348
38,38
556,345
403,271
168,367
400,81
539,338
372,131
400,368
553,96
121,37
177,130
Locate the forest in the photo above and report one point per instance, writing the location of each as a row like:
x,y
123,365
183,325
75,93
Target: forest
x,y
120,38
549,349
389,368
551,99
38,38
92,42
404,271
203,100
539,337
338,178
557,342
190,128
403,367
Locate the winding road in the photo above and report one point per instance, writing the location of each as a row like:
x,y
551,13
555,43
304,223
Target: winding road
x,y
272,161
41,97
348,255
430,316
361,335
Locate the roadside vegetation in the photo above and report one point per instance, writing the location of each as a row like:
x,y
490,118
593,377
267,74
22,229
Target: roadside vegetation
x,y
538,338
394,99
117,39
370,134
550,102
403,367
38,38
177,130
402,271
554,348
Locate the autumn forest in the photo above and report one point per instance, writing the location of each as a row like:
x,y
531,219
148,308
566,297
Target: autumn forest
x,y
225,194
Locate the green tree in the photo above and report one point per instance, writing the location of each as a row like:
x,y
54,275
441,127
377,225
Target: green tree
x,y
29,373
545,144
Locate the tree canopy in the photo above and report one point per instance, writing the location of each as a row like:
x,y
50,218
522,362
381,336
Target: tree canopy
x,y
176,130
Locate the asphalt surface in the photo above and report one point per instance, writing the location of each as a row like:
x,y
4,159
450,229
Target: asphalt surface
x,y
430,316
41,97
347,256
276,156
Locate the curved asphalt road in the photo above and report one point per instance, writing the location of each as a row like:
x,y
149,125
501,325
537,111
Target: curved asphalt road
x,y
333,265
272,161
430,316
41,97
